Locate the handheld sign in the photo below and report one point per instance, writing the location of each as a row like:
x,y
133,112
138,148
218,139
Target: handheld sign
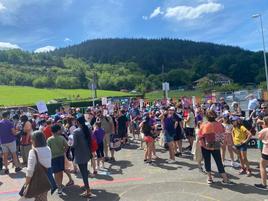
x,y
41,107
104,101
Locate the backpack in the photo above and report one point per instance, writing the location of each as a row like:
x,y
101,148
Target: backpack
x,y
146,128
115,142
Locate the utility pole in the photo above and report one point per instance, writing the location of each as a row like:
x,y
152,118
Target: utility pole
x,y
163,81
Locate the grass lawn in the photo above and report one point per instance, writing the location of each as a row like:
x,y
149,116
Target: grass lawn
x,y
15,95
173,94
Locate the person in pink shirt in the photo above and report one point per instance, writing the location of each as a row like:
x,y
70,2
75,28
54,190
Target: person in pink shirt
x,y
263,136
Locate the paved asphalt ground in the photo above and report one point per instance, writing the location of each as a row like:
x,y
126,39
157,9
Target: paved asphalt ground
x,y
129,179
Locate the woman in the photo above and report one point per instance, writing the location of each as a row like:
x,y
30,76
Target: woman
x,y
82,151
210,135
44,156
25,141
147,128
263,135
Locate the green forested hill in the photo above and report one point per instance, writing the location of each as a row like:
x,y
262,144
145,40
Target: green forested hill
x,y
130,64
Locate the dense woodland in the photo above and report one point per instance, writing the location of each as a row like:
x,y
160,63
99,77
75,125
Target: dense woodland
x,y
130,64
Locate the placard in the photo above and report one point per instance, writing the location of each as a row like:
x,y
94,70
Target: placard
x,y
104,101
41,107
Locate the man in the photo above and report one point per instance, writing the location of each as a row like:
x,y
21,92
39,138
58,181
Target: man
x,y
170,124
252,104
108,126
8,141
58,146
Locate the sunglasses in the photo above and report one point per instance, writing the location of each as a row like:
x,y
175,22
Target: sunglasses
x,y
263,107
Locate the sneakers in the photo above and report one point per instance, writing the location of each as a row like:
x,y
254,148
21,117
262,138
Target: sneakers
x,y
6,171
235,164
228,182
18,169
242,171
178,154
261,187
60,191
170,161
112,159
248,173
209,181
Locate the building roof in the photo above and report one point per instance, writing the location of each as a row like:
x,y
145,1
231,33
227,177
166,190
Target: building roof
x,y
214,77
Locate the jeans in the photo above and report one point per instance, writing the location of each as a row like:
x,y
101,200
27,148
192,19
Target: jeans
x,y
51,179
84,172
217,157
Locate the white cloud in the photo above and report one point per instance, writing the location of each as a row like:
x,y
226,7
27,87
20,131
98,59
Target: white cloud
x,y
187,12
2,7
156,12
7,46
67,40
145,17
45,49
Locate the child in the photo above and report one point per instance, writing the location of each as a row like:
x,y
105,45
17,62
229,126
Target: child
x,y
228,140
241,136
196,149
98,134
263,135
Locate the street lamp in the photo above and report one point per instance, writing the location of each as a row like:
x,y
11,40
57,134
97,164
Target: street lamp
x,y
264,51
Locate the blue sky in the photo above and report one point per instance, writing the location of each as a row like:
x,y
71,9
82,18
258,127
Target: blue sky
x,y
45,24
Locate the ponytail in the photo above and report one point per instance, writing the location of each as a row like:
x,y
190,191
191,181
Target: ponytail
x,y
85,130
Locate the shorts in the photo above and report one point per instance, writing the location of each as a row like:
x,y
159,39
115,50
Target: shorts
x,y
148,139
242,147
100,153
9,147
57,164
168,137
189,132
178,136
264,157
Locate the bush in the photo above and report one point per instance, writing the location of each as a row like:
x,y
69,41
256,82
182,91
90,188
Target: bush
x,y
42,82
67,82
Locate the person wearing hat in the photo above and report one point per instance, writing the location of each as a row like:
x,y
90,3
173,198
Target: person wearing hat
x,y
253,103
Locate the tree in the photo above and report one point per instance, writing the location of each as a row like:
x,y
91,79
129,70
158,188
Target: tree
x,y
42,82
67,82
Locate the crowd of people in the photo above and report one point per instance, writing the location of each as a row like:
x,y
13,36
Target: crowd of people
x,y
64,143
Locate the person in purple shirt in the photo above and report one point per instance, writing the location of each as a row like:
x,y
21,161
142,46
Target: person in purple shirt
x,y
8,141
99,134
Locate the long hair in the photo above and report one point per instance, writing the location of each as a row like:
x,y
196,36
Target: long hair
x,y
81,120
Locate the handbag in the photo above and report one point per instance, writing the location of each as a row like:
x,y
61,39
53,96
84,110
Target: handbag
x,y
39,182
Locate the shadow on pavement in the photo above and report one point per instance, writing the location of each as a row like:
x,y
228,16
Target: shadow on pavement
x,y
123,164
18,175
130,146
240,188
161,163
73,193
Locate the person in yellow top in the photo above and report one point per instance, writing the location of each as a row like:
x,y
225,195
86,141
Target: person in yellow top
x,y
241,136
